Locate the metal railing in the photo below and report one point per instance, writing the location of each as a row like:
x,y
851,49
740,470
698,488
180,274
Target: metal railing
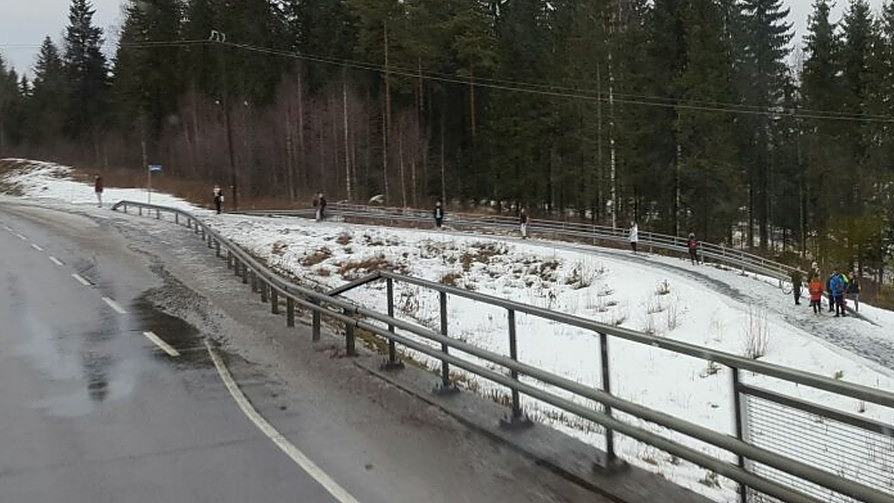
x,y
576,399
572,231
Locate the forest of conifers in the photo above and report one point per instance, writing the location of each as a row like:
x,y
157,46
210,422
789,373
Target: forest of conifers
x,y
684,115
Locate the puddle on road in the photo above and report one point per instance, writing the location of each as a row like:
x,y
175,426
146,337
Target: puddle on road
x,y
180,335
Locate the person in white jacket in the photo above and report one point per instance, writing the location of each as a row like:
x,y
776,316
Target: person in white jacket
x,y
634,236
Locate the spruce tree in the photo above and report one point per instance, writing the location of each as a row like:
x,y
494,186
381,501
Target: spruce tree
x,y
708,152
86,73
821,89
766,39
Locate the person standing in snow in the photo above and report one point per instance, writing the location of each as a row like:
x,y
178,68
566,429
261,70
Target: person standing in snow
x,y
853,291
98,188
838,287
218,198
320,205
830,293
438,214
523,223
796,285
634,236
816,294
692,245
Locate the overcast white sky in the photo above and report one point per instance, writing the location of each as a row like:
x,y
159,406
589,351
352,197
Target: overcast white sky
x,y
29,21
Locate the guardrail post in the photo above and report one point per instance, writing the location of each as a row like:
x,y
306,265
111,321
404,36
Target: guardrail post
x,y
217,248
125,208
393,363
229,260
158,214
176,218
315,332
290,312
203,234
262,286
245,273
141,210
516,418
610,457
740,430
350,349
274,300
445,387
254,281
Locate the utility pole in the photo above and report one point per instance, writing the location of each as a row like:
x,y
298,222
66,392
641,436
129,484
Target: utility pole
x,y
221,38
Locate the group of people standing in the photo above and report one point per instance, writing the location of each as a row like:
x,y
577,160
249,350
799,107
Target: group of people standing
x,y
838,287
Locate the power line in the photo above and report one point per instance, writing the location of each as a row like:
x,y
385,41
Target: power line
x,y
549,90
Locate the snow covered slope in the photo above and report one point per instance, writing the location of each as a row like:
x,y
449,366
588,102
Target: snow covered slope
x,y
664,296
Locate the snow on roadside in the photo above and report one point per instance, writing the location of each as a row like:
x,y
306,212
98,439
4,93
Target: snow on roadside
x,y
46,180
608,290
606,287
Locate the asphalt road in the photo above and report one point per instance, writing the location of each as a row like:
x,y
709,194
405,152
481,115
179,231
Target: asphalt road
x,y
103,397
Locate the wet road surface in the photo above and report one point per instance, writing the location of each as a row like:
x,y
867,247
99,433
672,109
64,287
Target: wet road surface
x,y
93,410
105,398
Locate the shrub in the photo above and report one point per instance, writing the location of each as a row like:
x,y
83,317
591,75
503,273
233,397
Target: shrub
x,y
757,337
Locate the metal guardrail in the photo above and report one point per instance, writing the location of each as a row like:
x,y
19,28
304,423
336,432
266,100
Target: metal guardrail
x,y
720,254
439,346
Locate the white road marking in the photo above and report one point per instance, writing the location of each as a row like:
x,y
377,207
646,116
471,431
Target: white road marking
x,y
162,344
114,305
23,238
36,247
81,280
56,261
337,492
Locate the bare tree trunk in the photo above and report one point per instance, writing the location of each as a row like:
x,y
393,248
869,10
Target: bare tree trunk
x,y
349,186
400,157
302,157
597,213
472,103
611,143
290,150
443,163
387,116
385,153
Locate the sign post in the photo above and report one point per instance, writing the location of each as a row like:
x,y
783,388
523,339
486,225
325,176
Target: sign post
x,y
153,168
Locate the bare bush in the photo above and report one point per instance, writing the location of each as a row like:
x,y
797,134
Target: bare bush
x,y
663,288
583,274
451,278
653,305
672,314
757,337
344,238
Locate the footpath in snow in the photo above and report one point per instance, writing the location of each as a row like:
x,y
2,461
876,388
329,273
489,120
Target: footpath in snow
x,y
663,296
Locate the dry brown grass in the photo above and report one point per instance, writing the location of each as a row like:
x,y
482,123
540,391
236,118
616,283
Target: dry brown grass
x,y
358,268
451,278
316,257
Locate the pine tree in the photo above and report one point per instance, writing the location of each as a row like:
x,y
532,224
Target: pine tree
x,y
49,96
147,80
821,88
86,73
708,152
766,39
859,41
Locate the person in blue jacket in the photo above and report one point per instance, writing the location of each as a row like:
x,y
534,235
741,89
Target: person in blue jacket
x,y
838,287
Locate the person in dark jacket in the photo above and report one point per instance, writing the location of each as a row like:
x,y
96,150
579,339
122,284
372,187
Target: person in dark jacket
x,y
218,198
797,279
523,223
320,205
98,188
853,291
438,214
692,245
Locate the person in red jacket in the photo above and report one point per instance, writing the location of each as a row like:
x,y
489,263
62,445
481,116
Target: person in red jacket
x,y
97,188
815,287
692,244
